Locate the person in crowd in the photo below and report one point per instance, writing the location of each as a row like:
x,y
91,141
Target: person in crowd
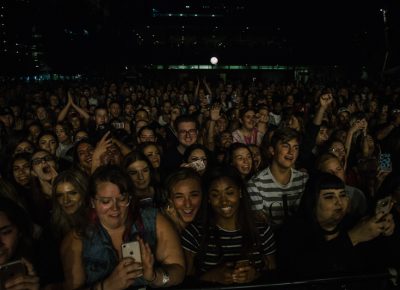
x,y
83,154
357,201
197,157
146,134
48,141
276,190
43,171
16,243
228,245
69,210
184,195
322,240
239,156
92,255
187,130
258,160
248,132
65,144
139,168
24,146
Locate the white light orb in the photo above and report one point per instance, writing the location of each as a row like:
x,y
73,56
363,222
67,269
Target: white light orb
x,y
214,60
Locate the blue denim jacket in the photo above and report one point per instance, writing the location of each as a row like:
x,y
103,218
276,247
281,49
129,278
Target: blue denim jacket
x,y
99,256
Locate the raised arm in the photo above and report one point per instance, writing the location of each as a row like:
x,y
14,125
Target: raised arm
x,y
63,113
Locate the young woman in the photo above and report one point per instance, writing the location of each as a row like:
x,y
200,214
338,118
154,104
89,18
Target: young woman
x,y
240,157
153,152
69,210
228,246
247,133
92,255
197,152
184,196
322,240
141,172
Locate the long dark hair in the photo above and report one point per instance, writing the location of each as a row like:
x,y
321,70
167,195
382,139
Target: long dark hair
x,y
228,159
246,221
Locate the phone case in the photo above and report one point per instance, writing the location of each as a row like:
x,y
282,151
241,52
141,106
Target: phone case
x,y
385,162
132,249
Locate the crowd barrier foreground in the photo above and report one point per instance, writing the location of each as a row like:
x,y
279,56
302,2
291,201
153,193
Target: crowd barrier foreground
x,y
377,281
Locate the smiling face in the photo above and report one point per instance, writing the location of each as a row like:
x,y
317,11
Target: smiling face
x,y
224,197
22,172
48,143
85,154
8,238
285,153
186,197
111,212
242,160
331,207
153,153
249,120
67,196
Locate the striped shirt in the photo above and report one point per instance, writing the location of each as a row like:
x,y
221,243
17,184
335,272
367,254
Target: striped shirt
x,y
273,198
230,245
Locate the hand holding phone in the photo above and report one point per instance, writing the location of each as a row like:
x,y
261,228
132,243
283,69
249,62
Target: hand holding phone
x,y
132,250
383,206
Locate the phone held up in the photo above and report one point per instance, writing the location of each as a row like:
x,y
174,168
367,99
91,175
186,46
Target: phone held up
x,y
383,205
132,250
385,162
10,270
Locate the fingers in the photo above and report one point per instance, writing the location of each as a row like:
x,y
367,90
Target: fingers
x,y
28,267
22,282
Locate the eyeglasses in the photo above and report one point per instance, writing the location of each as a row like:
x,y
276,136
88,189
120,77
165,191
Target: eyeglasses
x,y
107,202
191,132
37,161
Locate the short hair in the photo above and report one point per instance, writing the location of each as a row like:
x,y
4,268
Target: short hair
x,y
185,119
284,135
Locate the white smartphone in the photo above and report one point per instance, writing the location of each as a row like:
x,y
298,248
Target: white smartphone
x,y
132,250
10,270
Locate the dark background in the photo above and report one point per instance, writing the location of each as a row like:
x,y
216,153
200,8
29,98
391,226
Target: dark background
x,y
88,36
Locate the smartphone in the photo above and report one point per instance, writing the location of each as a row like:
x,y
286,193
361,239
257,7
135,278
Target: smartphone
x,y
383,205
198,165
10,270
132,250
385,162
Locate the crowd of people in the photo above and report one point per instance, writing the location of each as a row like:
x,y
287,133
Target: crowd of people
x,y
219,183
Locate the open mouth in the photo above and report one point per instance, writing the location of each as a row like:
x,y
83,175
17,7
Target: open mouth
x,y
226,209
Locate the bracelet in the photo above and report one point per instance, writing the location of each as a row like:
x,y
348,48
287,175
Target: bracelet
x,y
152,280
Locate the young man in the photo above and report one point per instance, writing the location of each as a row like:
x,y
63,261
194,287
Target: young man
x,y
187,133
276,191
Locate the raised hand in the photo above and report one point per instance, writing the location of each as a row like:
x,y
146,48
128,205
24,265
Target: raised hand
x,y
325,100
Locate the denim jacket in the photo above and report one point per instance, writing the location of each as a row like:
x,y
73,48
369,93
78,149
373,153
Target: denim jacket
x,y
99,256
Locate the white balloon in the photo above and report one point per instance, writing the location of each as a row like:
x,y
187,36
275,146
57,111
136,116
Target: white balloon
x,y
214,60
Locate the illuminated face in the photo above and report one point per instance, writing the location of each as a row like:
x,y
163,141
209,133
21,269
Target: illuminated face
x,y
285,153
101,117
140,174
41,113
255,151
339,151
224,197
43,165
198,154
111,205
85,154
249,120
153,154
322,136
331,207
22,172
147,136
8,239
186,198
61,134
48,143
187,133
67,196
242,161
115,110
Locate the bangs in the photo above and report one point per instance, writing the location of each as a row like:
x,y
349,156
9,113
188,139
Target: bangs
x,y
330,181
